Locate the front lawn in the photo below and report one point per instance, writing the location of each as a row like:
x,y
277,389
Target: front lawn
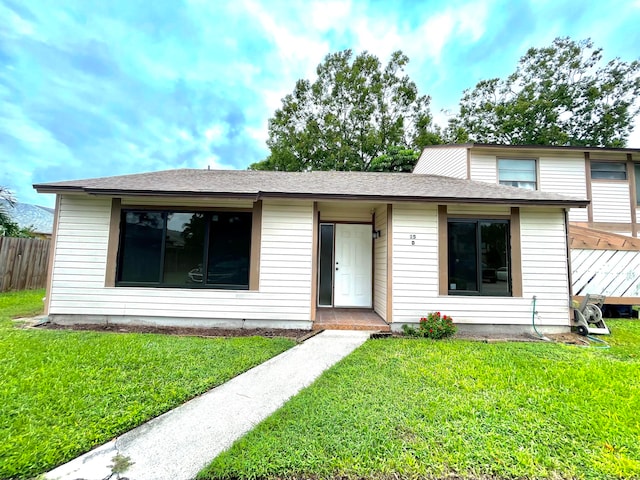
x,y
404,408
64,392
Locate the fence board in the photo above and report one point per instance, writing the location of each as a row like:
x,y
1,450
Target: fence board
x,y
23,263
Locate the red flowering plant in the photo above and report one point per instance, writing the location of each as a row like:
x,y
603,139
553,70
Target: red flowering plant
x,y
434,325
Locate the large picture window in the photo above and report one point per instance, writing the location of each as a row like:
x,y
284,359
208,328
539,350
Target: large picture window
x,y
479,262
518,173
184,249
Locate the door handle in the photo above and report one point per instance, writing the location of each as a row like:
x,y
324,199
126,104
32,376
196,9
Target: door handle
x,y
337,269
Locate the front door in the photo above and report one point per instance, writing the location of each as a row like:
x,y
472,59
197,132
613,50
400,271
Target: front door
x,y
352,277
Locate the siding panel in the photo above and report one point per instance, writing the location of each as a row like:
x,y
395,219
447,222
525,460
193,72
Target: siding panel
x,y
285,271
449,162
380,263
544,269
611,202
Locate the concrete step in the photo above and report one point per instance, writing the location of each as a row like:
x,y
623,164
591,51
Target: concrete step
x,y
351,326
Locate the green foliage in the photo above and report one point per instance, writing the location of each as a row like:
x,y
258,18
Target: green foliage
x,y
401,408
558,95
356,111
397,159
434,326
64,392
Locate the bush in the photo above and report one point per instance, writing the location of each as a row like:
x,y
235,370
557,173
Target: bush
x,y
433,326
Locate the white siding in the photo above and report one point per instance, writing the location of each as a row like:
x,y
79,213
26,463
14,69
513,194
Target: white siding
x,y
188,202
446,161
565,176
544,263
478,210
611,202
285,271
380,263
345,212
484,168
416,272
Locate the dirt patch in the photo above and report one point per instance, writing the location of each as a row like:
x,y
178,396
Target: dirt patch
x,y
569,338
298,335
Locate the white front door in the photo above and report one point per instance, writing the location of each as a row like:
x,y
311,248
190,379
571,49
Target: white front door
x,y
352,287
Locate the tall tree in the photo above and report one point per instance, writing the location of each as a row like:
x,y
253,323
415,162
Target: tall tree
x,y
354,112
558,95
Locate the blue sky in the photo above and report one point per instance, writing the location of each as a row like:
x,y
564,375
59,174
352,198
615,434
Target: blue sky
x,y
112,87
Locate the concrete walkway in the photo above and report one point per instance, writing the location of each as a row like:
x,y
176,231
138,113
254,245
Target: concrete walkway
x,y
178,444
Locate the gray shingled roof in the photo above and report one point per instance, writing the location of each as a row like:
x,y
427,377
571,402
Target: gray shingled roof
x,y
317,184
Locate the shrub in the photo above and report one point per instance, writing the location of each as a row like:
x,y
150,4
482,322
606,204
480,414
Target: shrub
x,y
434,326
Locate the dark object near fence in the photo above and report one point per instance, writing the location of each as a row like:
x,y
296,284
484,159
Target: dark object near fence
x,y
23,263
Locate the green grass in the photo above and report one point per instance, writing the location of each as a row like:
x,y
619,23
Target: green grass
x,y
64,392
404,408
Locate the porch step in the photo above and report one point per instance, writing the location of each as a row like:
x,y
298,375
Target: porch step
x,y
349,319
351,326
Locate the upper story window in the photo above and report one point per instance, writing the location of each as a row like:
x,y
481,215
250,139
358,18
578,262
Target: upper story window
x,y
608,171
184,249
517,173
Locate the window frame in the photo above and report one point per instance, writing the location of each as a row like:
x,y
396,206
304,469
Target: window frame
x,y
608,163
536,171
255,222
511,267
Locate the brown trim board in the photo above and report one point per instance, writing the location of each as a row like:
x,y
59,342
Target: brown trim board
x,y
389,232
256,246
112,246
631,176
516,253
52,253
443,246
314,261
587,174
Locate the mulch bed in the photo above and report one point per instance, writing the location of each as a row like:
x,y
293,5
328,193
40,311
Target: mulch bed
x,y
298,335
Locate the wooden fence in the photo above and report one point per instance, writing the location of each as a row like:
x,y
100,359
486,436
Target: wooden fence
x,y
23,263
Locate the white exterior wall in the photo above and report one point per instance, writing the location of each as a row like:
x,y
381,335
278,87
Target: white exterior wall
x,y
380,263
484,168
565,176
284,296
611,202
416,273
446,161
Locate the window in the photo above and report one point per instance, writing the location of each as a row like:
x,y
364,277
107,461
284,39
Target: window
x,y
479,259
517,173
185,249
608,171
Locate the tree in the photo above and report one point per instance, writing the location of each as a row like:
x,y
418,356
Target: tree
x,y
558,95
397,159
354,112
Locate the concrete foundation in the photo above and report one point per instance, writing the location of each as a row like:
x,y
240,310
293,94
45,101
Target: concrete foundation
x,y
495,329
177,322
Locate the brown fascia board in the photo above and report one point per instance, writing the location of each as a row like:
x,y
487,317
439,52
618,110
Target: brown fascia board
x,y
551,147
493,146
312,196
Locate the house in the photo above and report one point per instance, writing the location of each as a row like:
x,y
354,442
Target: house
x,y
34,217
608,177
250,249
604,259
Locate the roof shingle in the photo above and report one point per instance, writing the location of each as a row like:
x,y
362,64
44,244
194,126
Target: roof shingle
x,y
320,184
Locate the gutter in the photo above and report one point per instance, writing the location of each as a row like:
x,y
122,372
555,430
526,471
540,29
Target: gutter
x,y
311,196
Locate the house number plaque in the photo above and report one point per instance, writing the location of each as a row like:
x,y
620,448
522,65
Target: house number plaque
x,y
412,237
